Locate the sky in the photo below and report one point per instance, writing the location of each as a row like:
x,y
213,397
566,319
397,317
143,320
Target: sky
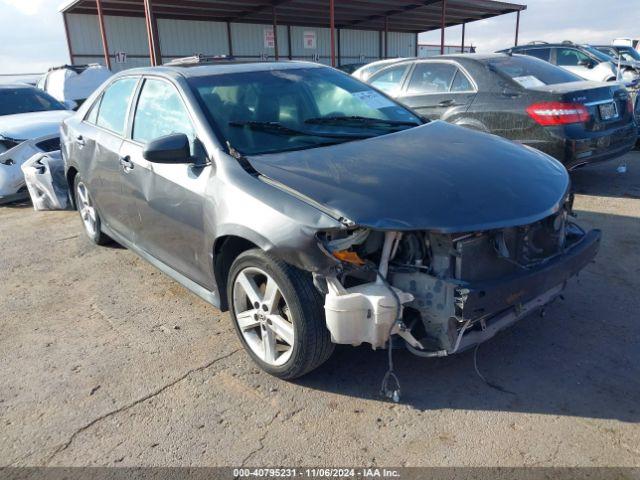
x,y
32,35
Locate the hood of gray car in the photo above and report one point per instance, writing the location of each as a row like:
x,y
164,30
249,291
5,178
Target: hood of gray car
x,y
434,177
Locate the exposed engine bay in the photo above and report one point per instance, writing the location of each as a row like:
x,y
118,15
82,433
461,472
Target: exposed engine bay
x,y
444,293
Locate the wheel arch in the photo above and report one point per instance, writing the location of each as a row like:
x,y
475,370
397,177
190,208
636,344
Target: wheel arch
x,y
225,250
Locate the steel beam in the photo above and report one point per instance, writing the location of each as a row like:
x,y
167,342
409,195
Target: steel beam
x,y
103,35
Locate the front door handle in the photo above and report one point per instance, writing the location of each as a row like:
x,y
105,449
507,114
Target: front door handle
x,y
447,103
80,140
126,163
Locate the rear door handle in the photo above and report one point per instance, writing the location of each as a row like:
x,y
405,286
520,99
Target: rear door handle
x,y
126,163
80,141
447,103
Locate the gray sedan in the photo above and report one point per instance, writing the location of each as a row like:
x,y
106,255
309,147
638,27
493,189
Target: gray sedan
x,y
319,211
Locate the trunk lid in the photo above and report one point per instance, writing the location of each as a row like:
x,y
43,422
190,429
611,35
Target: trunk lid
x,y
596,96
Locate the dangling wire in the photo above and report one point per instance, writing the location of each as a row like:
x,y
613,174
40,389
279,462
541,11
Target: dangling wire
x,y
482,377
385,389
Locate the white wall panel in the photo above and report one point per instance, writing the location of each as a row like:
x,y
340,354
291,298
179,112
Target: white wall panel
x,y
248,40
179,38
401,44
359,45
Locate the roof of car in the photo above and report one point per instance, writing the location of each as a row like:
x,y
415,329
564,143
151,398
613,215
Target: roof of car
x,y
13,86
223,67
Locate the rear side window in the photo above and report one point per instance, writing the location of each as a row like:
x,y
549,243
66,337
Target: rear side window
x,y
431,78
541,53
114,106
389,79
160,112
530,72
461,83
92,116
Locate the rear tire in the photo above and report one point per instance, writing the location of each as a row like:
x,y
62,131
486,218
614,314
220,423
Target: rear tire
x,y
88,213
278,315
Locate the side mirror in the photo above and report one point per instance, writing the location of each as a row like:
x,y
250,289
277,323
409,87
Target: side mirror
x,y
586,63
172,148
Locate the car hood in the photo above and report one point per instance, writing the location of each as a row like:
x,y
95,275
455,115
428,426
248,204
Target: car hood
x,y
434,177
25,126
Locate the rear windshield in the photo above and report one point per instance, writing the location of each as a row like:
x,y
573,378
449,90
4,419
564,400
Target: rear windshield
x,y
25,100
530,72
292,109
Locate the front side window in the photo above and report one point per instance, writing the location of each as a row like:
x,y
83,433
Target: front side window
x,y
160,112
390,79
291,109
569,57
431,78
26,100
114,106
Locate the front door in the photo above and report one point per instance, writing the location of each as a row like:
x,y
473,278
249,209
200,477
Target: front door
x,y
167,198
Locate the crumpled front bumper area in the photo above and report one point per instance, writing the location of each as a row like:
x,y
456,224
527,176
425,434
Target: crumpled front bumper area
x,y
459,315
12,184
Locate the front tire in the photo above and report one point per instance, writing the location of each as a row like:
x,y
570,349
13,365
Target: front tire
x,y
278,315
88,213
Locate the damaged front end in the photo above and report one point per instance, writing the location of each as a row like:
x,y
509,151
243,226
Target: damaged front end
x,y
444,293
13,154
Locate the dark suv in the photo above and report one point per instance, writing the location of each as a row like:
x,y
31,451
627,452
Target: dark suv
x,y
319,211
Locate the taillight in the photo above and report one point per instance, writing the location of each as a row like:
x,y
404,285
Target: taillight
x,y
558,113
629,106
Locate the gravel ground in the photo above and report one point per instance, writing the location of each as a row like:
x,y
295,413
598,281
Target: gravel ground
x,y
106,361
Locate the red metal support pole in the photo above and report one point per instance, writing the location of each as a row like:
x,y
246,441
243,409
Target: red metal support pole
x,y
443,18
275,33
152,34
332,22
462,47
517,27
103,34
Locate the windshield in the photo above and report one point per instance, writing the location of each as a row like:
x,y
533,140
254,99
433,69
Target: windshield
x,y
531,72
629,53
291,109
603,57
25,100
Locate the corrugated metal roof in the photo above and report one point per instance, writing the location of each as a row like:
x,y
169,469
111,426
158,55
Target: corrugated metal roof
x,y
400,15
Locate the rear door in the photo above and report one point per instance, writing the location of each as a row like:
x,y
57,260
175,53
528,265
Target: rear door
x,y
168,198
434,88
100,142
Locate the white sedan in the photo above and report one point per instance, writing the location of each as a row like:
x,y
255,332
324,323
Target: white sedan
x,y
29,124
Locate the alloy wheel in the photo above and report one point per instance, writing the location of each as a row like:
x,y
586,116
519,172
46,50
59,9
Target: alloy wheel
x,y
86,209
263,316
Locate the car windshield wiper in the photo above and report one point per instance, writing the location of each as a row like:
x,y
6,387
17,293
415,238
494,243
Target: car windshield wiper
x,y
278,128
368,121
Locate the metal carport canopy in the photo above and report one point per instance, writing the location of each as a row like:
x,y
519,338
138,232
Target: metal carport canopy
x,y
381,15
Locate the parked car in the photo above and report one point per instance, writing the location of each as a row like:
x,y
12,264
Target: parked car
x,y
351,67
29,124
625,53
325,214
73,83
364,72
520,98
584,61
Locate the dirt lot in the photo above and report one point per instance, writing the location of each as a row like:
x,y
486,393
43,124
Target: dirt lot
x,y
106,361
